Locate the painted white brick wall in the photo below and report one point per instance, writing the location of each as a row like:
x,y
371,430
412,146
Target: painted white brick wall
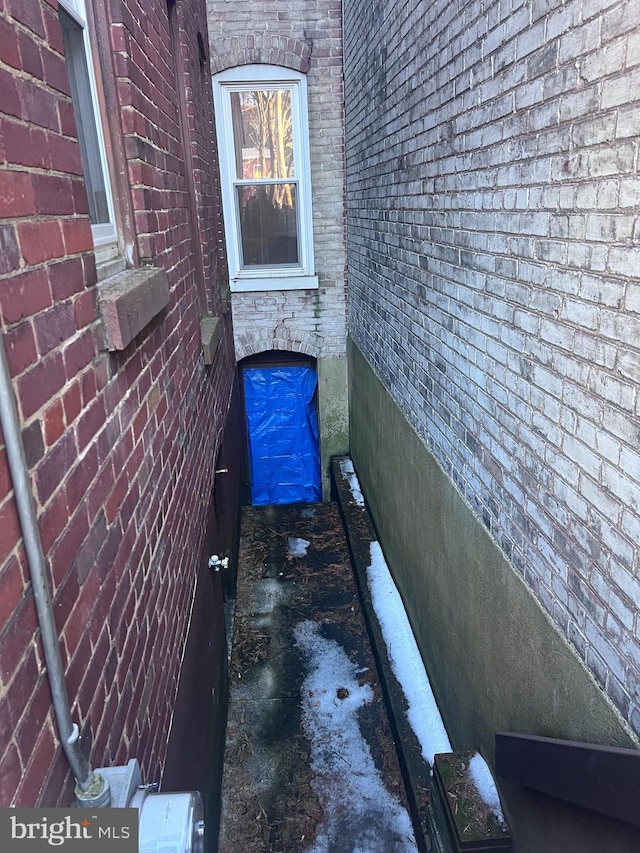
x,y
272,31
493,192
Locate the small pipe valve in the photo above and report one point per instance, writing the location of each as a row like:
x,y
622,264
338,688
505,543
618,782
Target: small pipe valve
x,y
216,563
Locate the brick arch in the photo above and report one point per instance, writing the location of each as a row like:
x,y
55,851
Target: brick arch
x,y
281,338
265,48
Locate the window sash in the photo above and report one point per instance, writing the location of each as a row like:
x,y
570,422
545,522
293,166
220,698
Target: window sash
x,y
269,226
262,127
79,57
264,79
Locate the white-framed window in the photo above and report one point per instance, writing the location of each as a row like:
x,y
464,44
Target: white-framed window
x,y
74,21
263,142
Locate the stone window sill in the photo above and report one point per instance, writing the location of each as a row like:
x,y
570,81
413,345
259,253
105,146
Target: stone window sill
x,y
294,282
128,301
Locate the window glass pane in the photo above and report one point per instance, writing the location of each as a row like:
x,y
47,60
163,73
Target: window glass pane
x,y
268,224
262,134
85,119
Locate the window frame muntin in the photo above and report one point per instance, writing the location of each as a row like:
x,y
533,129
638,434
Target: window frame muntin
x,y
249,78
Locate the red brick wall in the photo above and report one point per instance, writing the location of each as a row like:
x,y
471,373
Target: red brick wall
x,y
205,176
120,446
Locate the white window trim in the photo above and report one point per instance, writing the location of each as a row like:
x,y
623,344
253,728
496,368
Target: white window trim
x,y
105,236
286,277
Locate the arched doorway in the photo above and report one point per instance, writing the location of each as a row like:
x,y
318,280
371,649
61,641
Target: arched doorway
x,y
280,397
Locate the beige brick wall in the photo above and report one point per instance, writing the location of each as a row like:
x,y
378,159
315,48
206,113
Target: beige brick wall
x,y
305,36
493,192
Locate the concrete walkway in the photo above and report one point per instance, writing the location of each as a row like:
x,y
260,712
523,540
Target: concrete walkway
x,y
310,761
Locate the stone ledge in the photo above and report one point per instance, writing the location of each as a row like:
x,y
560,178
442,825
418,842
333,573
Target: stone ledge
x,y
360,532
128,301
210,334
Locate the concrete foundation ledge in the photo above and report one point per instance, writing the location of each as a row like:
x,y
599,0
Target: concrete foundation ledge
x,y
128,301
415,770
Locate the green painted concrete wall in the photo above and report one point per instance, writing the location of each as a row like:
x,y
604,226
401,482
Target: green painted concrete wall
x,y
333,414
496,661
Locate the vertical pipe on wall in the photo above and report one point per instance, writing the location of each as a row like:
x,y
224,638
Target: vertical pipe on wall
x,y
87,781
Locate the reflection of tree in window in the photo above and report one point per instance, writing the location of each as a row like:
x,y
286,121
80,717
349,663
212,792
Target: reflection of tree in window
x,y
263,141
263,133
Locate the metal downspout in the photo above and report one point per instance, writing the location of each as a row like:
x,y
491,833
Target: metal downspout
x,y
89,785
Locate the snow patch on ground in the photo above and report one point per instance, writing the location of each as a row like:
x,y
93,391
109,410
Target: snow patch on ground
x,y
482,779
360,815
406,661
348,472
298,547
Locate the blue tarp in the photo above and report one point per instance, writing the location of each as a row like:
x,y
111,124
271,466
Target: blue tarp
x,y
283,435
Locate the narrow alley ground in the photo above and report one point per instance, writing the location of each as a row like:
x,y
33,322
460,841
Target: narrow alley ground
x,y
310,759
